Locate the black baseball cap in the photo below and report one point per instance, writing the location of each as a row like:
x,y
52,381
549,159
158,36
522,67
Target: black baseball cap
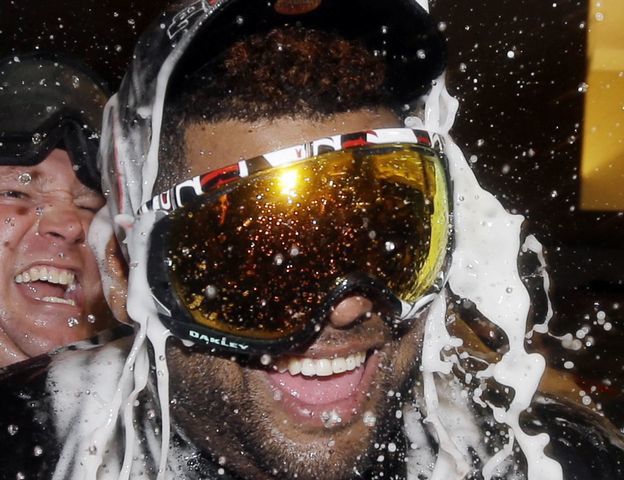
x,y
400,31
48,102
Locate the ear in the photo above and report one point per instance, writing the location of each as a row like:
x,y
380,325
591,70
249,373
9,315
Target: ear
x,y
115,280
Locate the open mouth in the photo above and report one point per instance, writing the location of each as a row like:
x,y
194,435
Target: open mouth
x,y
49,284
313,388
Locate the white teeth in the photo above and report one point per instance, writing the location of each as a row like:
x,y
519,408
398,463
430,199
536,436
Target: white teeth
x,y
53,276
324,367
308,367
321,367
66,301
46,274
339,365
294,367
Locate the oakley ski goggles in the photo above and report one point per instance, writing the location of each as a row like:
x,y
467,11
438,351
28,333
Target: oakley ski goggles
x,y
251,258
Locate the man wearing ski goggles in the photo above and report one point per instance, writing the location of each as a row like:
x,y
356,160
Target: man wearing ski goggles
x,y
50,290
296,231
285,235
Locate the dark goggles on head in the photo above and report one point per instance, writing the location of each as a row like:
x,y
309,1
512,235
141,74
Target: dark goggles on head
x,y
251,258
48,103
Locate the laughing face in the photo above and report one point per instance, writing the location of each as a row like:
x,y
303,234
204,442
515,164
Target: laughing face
x,y
332,411
50,289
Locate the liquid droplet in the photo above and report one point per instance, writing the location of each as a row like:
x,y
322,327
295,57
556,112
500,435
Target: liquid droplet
x,y
24,178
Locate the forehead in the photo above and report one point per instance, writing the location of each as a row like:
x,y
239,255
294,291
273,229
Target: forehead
x,y
53,172
210,146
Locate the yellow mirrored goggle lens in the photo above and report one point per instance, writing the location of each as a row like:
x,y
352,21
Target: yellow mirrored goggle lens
x,y
258,257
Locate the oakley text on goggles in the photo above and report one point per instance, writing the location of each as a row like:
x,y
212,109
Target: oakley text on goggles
x,y
252,257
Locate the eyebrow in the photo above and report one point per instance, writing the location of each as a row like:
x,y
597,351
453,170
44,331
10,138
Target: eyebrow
x,y
13,172
38,179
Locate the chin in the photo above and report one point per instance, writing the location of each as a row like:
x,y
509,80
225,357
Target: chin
x,y
274,441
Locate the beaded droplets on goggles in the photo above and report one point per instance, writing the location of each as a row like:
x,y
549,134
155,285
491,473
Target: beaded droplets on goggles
x,y
250,258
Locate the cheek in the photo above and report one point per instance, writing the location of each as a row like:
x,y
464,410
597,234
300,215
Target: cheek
x,y
195,369
91,267
409,351
14,224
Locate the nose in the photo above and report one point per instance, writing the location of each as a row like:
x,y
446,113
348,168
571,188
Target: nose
x,y
349,310
61,223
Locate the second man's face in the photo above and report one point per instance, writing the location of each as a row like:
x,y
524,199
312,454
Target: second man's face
x,y
321,417
50,291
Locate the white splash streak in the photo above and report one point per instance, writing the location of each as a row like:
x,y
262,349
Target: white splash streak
x,y
532,244
484,270
451,463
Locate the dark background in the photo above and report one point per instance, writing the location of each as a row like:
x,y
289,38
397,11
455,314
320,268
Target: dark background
x,y
520,120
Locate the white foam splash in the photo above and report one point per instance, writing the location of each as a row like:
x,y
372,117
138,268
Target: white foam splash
x,y
484,270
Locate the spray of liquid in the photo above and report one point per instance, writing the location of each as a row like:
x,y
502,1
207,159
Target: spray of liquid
x,y
491,282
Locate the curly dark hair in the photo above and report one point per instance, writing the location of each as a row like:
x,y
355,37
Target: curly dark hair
x,y
290,71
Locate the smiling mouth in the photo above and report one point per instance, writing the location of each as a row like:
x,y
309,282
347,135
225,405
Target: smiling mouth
x,y
320,367
49,284
308,388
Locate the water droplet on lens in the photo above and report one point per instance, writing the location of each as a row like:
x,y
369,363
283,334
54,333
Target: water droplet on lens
x,y
91,318
210,292
265,359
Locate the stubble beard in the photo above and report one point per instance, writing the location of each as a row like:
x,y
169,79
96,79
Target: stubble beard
x,y
245,435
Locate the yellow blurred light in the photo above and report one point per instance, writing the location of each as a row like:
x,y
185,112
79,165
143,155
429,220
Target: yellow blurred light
x,y
288,181
602,164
